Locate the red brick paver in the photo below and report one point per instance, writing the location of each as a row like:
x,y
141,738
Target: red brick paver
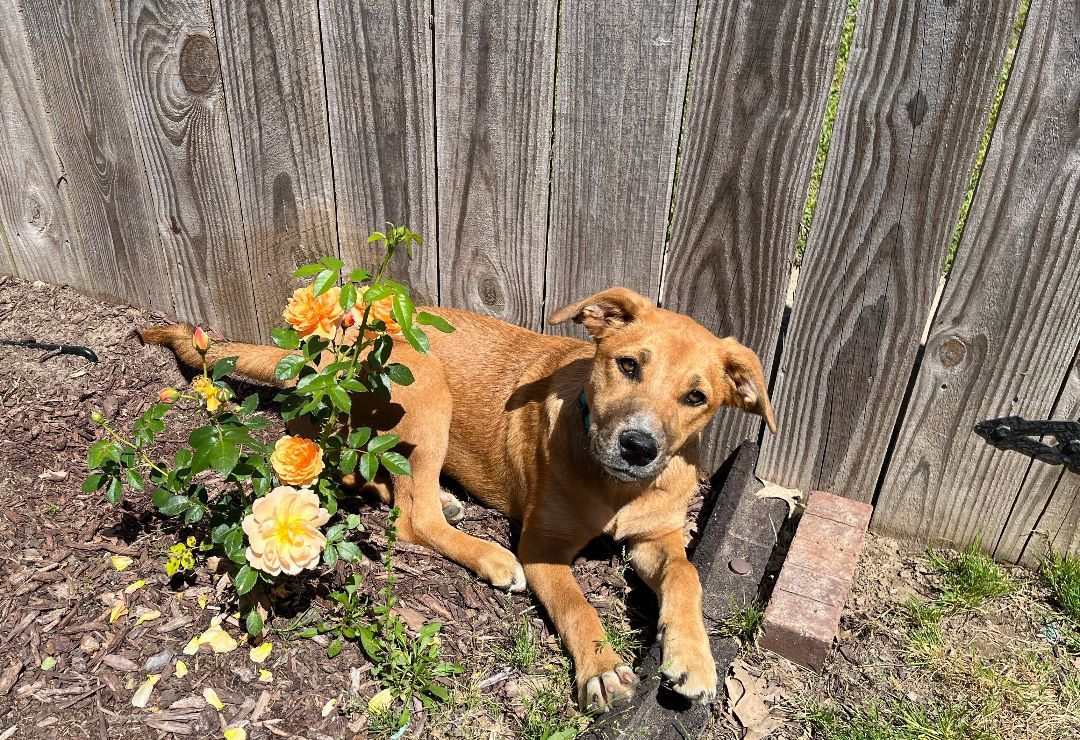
x,y
804,611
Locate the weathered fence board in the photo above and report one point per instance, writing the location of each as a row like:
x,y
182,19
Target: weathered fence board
x,y
621,84
77,61
379,81
921,78
40,240
172,72
1047,509
271,67
496,65
757,96
1008,326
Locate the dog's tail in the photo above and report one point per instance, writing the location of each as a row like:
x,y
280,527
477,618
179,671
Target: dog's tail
x,y
253,361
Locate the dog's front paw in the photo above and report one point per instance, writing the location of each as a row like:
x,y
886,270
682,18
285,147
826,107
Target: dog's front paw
x,y
689,667
501,569
601,692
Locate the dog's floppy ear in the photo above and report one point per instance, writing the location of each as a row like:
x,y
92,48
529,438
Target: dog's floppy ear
x,y
603,312
743,368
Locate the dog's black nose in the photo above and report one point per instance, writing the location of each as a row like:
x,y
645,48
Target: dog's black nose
x,y
638,447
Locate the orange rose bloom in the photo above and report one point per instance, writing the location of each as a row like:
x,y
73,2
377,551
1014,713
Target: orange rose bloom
x,y
310,314
297,461
381,309
283,531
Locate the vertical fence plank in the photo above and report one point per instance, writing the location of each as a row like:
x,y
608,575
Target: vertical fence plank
x,y
39,238
379,91
757,96
496,64
1047,510
77,59
920,82
1008,325
621,85
271,67
172,70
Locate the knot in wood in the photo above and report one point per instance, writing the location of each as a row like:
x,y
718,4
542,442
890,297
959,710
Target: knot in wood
x,y
198,63
952,352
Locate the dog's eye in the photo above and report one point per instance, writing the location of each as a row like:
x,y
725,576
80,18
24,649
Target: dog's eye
x,y
629,367
694,398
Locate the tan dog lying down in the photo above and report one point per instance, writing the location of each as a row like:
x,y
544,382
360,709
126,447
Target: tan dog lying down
x,y
572,439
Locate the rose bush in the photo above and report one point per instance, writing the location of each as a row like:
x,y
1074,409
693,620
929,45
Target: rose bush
x,y
271,509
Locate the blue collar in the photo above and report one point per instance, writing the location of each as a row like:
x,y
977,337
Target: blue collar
x,y
584,404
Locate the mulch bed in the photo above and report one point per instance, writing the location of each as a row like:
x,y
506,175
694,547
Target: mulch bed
x,y
58,583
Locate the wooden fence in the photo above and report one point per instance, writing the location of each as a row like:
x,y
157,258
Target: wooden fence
x,y
187,155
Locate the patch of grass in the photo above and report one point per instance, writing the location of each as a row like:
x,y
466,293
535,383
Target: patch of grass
x,y
51,509
971,578
900,719
1062,575
621,637
549,713
922,640
524,650
831,106
745,622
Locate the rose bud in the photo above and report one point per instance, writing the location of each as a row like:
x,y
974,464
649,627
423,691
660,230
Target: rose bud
x,y
97,417
168,395
348,319
200,340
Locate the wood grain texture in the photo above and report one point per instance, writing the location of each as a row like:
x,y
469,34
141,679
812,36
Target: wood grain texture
x,y
1008,326
622,73
496,64
757,96
920,82
172,71
271,68
39,239
77,61
379,81
1047,509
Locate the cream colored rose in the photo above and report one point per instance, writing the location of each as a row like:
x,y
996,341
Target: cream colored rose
x,y
297,461
283,531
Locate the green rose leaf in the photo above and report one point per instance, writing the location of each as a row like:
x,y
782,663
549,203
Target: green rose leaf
x,y
175,505
289,367
253,623
114,492
349,551
94,482
359,437
245,580
417,338
285,338
383,442
400,374
308,270
348,296
223,367
340,398
438,322
348,461
324,281
396,463
330,556
134,479
359,276
369,465
332,263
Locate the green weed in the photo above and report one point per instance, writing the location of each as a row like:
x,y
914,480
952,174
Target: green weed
x,y
971,578
1062,574
745,621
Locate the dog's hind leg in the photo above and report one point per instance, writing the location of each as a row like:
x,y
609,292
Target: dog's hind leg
x,y
254,361
425,434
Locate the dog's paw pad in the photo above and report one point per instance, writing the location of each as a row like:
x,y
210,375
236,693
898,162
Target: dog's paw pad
x,y
452,508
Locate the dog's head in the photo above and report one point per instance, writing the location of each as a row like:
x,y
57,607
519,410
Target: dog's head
x,y
657,379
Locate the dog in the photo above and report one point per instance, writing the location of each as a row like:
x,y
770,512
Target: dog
x,y
572,439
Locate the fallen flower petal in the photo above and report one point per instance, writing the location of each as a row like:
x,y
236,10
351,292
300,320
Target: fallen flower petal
x,y
147,617
193,646
260,653
329,707
119,609
380,702
121,562
142,694
202,601
218,639
212,698
181,669
236,733
265,676
135,586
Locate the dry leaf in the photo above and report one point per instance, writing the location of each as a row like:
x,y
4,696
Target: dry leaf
x,y
54,476
792,496
746,701
142,694
260,653
212,698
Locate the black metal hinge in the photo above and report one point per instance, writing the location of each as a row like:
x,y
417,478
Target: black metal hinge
x,y
1020,435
